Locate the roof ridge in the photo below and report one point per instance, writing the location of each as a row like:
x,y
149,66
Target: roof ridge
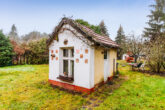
x,y
102,40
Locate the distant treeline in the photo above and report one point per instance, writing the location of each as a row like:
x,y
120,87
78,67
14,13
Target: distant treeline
x,y
27,49
32,48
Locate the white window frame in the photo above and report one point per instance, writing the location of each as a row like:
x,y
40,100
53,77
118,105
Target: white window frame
x,y
69,58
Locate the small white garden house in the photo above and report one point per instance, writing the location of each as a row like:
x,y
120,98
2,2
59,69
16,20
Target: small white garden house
x,y
79,58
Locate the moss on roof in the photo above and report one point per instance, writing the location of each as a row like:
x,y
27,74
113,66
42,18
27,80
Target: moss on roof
x,y
95,28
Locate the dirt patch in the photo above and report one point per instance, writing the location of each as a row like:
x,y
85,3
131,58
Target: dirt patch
x,y
101,93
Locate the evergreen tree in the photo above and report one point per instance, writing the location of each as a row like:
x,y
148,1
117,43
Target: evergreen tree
x,y
156,22
6,50
95,28
120,40
13,34
103,28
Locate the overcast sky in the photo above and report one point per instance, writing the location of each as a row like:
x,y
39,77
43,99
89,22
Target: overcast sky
x,y
44,15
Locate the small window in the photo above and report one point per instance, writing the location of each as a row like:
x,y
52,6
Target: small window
x,y
65,52
105,54
68,62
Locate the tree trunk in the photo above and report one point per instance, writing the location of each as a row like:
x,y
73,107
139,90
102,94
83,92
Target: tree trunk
x,y
17,59
136,57
158,67
27,60
24,59
20,59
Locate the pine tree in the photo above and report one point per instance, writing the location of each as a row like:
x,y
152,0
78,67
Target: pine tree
x,y
103,28
13,34
156,22
156,34
6,50
120,40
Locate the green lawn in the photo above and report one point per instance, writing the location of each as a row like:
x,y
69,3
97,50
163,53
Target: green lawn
x,y
138,92
27,87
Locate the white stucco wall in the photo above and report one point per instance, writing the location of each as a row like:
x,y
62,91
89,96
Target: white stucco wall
x,y
83,72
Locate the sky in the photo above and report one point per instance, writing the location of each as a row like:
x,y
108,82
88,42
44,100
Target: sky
x,y
44,15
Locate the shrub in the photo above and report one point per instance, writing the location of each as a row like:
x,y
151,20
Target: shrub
x,y
156,55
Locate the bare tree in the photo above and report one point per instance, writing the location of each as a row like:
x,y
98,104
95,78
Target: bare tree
x,y
134,45
155,53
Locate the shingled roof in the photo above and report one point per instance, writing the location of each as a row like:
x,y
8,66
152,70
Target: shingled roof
x,y
97,39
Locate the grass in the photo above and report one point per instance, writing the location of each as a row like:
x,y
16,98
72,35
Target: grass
x,y
26,87
140,91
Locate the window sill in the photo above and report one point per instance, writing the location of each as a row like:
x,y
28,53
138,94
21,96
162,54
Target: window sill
x,y
66,79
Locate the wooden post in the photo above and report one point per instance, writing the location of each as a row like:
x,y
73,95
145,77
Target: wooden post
x,y
114,66
117,71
